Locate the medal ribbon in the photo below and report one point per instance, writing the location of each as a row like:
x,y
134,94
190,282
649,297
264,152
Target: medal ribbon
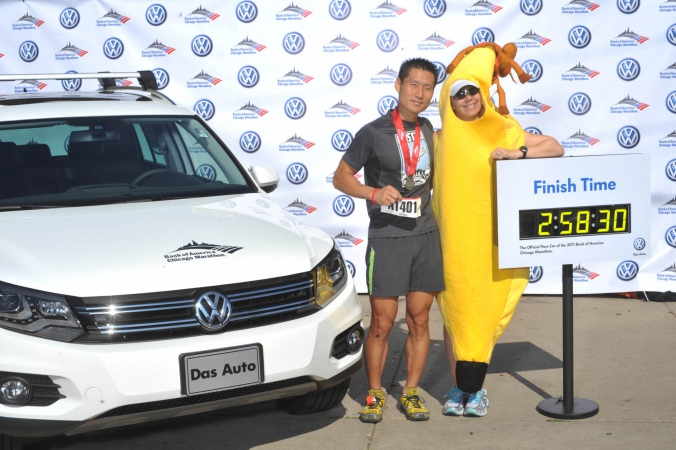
x,y
410,158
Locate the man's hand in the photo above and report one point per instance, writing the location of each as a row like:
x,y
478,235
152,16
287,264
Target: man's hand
x,y
387,196
503,153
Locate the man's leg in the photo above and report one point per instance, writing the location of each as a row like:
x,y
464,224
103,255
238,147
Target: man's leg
x,y
383,314
418,306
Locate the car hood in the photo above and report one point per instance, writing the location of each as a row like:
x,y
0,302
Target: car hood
x,y
155,246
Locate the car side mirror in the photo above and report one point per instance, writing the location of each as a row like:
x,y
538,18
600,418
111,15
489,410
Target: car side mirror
x,y
265,177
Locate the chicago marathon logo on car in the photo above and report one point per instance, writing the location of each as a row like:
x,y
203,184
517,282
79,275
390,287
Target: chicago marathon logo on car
x,y
579,140
249,111
200,15
112,19
435,42
628,136
535,274
194,251
432,110
341,109
628,39
385,76
579,7
27,22
294,78
340,44
70,52
31,86
579,72
532,40
387,40
668,6
205,109
292,12
343,205
246,11
482,8
203,80
73,84
583,275
669,72
668,274
298,208
346,240
157,50
247,47
296,173
628,6
669,140
295,144
628,105
387,10
530,107
434,8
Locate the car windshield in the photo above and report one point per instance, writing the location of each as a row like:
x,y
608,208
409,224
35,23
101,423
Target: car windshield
x,y
100,160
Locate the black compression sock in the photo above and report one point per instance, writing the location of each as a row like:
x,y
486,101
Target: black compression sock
x,y
470,375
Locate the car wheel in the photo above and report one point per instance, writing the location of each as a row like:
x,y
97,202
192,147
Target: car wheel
x,y
313,402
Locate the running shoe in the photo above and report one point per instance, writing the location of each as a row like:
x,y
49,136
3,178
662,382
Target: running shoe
x,y
413,407
455,405
372,409
477,404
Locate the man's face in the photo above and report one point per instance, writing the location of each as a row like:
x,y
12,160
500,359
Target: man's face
x,y
468,108
415,92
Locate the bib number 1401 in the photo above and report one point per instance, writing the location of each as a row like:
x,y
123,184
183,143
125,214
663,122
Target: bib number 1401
x,y
406,207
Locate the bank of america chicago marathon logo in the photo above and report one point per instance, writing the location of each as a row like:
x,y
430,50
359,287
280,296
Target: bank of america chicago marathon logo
x,y
628,39
669,140
70,52
295,144
385,10
298,208
385,76
535,274
628,105
195,251
341,109
532,40
157,50
628,136
294,78
583,275
29,86
668,6
249,111
340,44
27,22
579,72
668,274
531,107
534,69
669,72
247,47
346,240
482,8
627,270
435,42
112,19
203,80
579,140
432,110
200,15
579,7
292,12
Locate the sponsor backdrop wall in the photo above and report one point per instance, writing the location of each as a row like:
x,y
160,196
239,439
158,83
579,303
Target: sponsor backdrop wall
x,y
290,83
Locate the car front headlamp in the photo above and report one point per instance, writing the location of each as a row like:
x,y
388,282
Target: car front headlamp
x,y
37,314
330,277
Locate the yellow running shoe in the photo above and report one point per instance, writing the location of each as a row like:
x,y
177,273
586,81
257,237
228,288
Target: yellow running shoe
x,y
412,404
372,410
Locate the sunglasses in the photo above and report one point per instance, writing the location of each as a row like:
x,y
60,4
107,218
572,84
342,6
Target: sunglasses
x,y
465,91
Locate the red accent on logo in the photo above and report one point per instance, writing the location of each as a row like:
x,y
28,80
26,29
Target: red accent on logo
x,y
593,141
41,85
262,112
642,39
310,209
214,16
593,6
641,106
124,19
260,47
1,55
357,241
544,107
81,53
39,22
169,50
400,11
545,41
592,73
215,81
126,82
592,275
496,8
308,144
306,13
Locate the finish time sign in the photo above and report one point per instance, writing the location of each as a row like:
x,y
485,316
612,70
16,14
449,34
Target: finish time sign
x,y
556,211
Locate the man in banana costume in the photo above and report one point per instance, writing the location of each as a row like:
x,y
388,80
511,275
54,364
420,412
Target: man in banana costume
x,y
480,298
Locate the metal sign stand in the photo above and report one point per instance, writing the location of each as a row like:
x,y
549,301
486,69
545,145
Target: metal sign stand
x,y
568,407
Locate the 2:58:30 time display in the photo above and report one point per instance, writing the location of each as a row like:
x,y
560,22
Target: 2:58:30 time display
x,y
574,221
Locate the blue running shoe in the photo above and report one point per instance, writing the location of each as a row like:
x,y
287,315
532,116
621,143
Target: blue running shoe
x,y
455,405
477,404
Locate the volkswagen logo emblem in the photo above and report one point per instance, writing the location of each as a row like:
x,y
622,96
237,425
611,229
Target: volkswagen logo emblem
x,y
296,173
627,270
671,34
533,130
628,69
441,71
670,170
201,45
579,36
341,74
73,84
295,108
262,203
28,51
228,204
670,236
69,18
671,102
628,6
639,244
246,11
156,14
535,275
205,109
579,103
161,77
248,76
483,35
293,43
435,8
351,268
386,103
113,48
66,143
343,205
531,7
213,310
250,142
387,40
341,140
532,68
206,171
628,137
340,9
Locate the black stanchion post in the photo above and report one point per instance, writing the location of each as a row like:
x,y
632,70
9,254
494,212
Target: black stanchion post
x,y
567,407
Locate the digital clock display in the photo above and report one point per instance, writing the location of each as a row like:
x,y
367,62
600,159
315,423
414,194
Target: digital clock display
x,y
574,221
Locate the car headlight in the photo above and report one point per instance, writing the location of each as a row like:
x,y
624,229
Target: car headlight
x,y
37,314
330,277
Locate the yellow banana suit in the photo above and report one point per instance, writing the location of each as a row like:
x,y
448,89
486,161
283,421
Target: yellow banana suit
x,y
480,298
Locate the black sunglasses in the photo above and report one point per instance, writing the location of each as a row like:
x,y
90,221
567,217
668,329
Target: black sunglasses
x,y
465,91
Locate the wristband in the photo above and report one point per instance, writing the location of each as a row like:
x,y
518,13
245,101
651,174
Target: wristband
x,y
373,196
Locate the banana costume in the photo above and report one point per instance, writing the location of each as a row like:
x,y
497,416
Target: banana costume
x,y
480,298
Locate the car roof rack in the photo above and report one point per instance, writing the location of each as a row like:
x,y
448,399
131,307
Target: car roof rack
x,y
145,78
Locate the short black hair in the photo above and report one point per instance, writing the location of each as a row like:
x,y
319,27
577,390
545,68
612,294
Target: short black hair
x,y
417,63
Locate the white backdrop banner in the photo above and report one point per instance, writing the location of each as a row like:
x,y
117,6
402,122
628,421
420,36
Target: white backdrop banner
x,y
290,83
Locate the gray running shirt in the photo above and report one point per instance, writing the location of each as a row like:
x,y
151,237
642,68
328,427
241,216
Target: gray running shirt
x,y
376,148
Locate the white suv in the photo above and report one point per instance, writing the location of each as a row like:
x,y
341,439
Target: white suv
x,y
144,274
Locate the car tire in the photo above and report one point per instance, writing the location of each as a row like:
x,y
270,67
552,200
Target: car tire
x,y
313,402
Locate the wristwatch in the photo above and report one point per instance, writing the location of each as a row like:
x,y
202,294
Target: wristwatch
x,y
524,151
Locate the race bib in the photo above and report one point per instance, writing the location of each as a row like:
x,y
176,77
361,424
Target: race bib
x,y
406,207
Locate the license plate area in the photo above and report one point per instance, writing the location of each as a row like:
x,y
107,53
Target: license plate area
x,y
217,370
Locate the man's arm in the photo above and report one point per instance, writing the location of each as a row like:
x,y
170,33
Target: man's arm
x,y
345,182
539,146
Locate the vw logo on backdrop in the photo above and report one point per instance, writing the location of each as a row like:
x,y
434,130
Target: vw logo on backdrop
x,y
535,275
248,76
670,170
386,103
387,40
69,18
671,102
579,36
351,268
295,108
205,109
341,74
483,35
246,11
156,14
250,142
533,130
532,68
628,69
343,205
531,7
579,103
113,48
628,6
293,43
671,34
628,136
28,51
627,270
435,8
201,45
161,77
670,236
206,171
213,310
296,173
441,71
341,140
340,9
639,244
73,84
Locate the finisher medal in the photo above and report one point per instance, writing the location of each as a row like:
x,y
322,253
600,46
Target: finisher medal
x,y
409,183
410,160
